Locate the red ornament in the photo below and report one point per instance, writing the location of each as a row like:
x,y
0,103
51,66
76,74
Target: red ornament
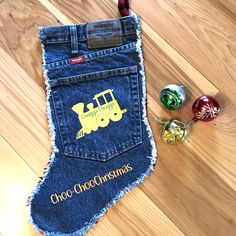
x,y
205,108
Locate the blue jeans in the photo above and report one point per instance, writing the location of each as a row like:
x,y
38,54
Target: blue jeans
x,y
102,143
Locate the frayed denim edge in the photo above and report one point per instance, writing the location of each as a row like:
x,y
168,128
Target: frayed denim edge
x,y
144,98
52,132
122,193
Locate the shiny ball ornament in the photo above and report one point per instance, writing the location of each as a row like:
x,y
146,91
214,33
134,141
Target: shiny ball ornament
x,y
172,96
173,131
205,108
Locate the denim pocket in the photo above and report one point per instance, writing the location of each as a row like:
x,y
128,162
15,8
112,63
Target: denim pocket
x,y
98,113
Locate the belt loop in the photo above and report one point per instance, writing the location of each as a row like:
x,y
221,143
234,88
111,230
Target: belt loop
x,y
74,40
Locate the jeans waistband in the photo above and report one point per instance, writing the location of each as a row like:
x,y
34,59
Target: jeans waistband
x,y
67,33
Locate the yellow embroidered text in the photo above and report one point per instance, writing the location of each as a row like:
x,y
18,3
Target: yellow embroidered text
x,y
100,115
95,181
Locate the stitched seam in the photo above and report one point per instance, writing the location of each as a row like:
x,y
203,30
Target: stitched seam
x,y
122,71
93,156
92,56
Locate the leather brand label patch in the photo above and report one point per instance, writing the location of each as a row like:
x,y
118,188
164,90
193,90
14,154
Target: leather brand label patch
x,y
105,33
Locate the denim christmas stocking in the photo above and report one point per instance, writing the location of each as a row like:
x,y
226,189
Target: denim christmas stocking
x,y
102,143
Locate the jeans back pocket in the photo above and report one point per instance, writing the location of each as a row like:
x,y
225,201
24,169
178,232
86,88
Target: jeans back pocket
x,y
98,113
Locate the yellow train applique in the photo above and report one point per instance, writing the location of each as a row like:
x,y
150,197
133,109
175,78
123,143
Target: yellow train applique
x,y
100,115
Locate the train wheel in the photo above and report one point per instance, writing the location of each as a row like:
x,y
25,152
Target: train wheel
x,y
87,130
116,115
102,121
95,127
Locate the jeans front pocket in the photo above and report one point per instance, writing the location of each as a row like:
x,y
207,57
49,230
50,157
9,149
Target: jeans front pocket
x,y
98,113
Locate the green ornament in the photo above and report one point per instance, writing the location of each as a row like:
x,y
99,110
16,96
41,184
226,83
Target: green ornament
x,y
172,96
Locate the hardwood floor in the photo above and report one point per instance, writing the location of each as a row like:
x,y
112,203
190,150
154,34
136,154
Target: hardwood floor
x,y
192,190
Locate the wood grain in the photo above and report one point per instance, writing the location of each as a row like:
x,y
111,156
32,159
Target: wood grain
x,y
19,180
192,190
19,23
185,183
219,158
133,216
227,7
22,106
200,32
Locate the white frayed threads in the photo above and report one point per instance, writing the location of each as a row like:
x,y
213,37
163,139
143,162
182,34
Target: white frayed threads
x,y
49,112
144,98
53,144
48,94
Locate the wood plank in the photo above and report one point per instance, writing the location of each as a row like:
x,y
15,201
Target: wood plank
x,y
84,11
23,113
55,12
190,193
228,7
199,32
20,20
135,215
218,149
195,78
16,180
